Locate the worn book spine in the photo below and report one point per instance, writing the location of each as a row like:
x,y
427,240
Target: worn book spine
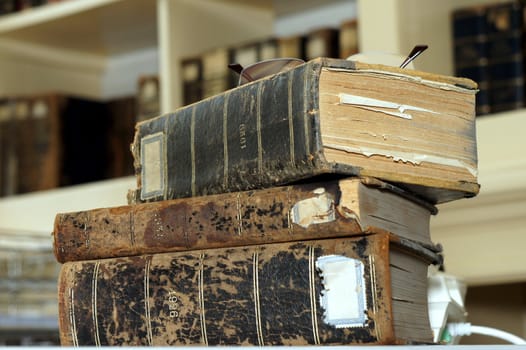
x,y
323,42
279,214
192,73
260,295
243,139
122,113
506,56
148,97
5,144
37,123
292,46
216,76
348,38
470,49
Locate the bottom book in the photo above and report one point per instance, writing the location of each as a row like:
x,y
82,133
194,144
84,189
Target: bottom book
x,y
360,290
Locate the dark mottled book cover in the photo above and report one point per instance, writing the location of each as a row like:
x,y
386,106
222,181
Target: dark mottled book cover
x,y
275,294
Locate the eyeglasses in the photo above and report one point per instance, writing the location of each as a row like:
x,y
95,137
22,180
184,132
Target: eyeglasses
x,y
264,68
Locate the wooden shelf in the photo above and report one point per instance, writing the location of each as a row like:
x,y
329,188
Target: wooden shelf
x,y
34,213
94,27
91,48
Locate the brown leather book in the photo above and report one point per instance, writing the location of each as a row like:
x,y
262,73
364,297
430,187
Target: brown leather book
x,y
357,290
8,156
38,141
348,38
291,46
192,73
122,114
310,211
322,42
148,97
412,128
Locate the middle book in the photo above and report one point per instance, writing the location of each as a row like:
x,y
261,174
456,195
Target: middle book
x,y
338,208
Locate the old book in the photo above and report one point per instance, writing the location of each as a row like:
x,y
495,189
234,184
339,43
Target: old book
x,y
122,114
254,51
8,158
470,51
32,155
245,54
323,42
348,38
291,46
192,73
39,145
217,77
85,158
506,56
412,128
360,290
309,211
148,97
7,7
268,49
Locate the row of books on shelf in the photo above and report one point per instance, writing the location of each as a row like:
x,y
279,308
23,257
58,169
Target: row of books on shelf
x,y
208,74
292,210
489,43
13,6
28,292
52,140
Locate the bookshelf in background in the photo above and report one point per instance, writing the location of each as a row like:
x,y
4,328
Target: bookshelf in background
x,y
207,73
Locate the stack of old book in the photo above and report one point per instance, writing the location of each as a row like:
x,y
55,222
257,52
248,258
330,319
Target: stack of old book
x,y
293,210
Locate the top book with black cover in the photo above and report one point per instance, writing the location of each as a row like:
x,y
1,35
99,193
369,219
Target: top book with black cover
x,y
327,116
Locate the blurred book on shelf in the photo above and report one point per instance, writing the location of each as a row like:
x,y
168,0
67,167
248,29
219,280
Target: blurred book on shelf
x,y
207,74
192,73
148,97
323,42
348,38
50,140
28,290
488,42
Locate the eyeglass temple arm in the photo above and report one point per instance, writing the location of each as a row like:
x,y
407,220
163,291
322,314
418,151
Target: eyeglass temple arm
x,y
236,67
417,50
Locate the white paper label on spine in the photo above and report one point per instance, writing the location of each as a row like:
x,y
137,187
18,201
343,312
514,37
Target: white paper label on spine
x,y
152,165
343,298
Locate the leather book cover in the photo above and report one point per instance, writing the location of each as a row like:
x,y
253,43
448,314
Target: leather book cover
x,y
346,207
332,291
